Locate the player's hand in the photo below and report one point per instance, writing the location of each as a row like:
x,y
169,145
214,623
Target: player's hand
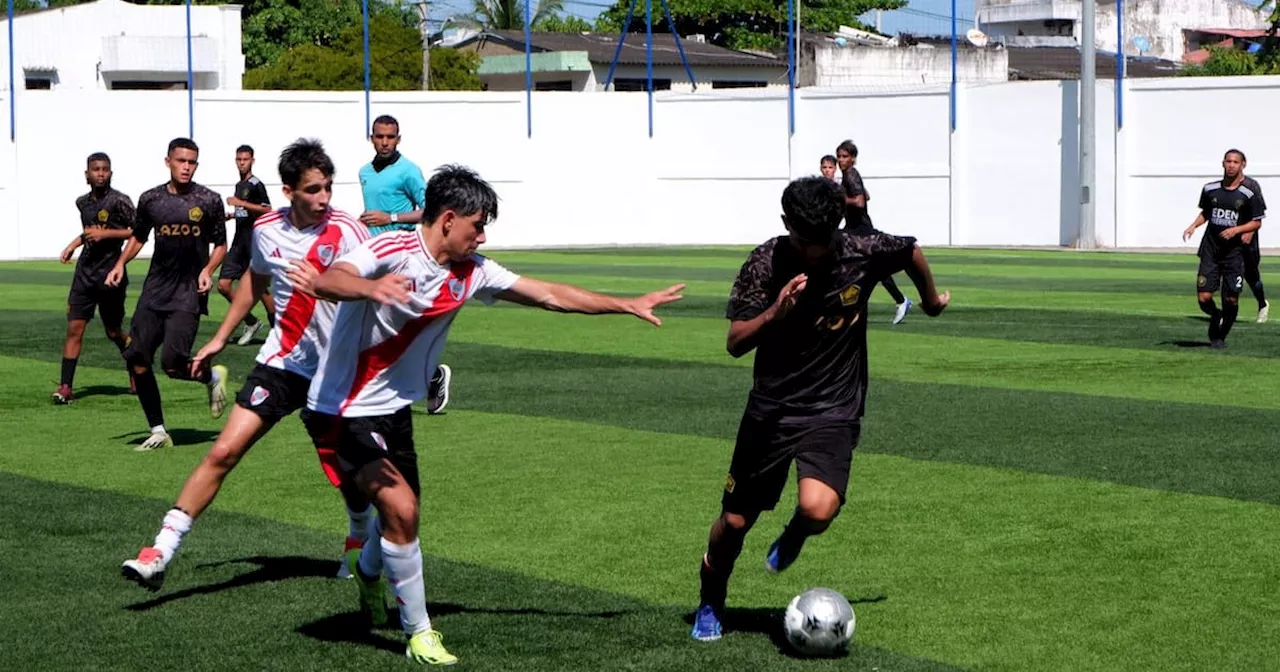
x,y
1186,235
67,251
1247,238
390,289
206,354
935,309
643,306
1228,233
789,295
234,202
302,276
115,276
374,218
95,234
205,283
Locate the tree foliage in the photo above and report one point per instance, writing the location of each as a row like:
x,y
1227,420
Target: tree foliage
x,y
509,14
743,24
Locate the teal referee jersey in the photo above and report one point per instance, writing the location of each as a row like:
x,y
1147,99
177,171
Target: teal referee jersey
x,y
396,189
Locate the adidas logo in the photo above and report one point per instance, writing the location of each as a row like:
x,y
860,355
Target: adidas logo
x,y
276,253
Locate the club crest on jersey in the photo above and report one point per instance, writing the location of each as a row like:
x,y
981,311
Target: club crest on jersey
x,y
102,216
377,438
258,396
850,295
195,214
457,287
325,252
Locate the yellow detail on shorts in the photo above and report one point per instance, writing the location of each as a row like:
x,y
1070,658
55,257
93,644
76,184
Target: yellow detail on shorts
x,y
729,483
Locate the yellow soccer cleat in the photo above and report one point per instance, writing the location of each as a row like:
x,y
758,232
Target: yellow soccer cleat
x,y
428,648
217,391
373,601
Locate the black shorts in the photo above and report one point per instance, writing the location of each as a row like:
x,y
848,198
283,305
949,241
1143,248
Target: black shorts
x,y
236,262
764,451
85,296
175,330
1226,274
355,442
273,394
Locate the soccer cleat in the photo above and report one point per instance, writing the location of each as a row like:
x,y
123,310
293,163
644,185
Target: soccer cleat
x,y
779,558
63,395
706,624
147,570
350,544
428,648
438,390
373,601
1264,312
246,336
903,309
217,391
156,440
1218,344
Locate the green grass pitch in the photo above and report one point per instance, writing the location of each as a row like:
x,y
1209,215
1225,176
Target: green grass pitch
x,y
1051,477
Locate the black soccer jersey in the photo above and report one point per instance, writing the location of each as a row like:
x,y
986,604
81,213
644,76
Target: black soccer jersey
x,y
253,191
1222,209
851,182
1261,204
111,210
812,365
185,225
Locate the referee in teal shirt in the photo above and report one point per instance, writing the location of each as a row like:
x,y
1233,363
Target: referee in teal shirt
x,y
392,185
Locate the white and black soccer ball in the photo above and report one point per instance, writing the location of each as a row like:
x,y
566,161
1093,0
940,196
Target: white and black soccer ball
x,y
819,622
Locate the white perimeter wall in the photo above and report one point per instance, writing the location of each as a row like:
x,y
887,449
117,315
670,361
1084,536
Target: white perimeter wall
x,y
711,174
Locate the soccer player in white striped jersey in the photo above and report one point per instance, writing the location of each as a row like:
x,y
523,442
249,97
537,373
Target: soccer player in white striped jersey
x,y
289,246
400,294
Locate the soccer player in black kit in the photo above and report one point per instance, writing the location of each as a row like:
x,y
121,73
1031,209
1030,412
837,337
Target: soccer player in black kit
x,y
1230,208
857,219
186,219
250,202
106,220
1253,255
800,301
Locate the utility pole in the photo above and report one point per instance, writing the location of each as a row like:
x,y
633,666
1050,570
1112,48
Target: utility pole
x,y
426,45
1088,127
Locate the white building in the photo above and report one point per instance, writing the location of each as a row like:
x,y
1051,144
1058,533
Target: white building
x,y
111,44
1154,28
835,62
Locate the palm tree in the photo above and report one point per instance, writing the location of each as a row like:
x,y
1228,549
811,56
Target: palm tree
x,y
509,14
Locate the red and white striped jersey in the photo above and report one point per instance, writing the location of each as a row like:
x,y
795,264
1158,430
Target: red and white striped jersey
x,y
303,323
380,357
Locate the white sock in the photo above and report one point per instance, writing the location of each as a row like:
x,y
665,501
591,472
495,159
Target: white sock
x,y
214,377
176,524
158,429
358,523
404,573
371,552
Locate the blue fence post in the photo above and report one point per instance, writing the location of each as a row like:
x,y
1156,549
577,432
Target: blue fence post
x,y
13,128
791,67
954,77
364,17
528,69
191,93
1119,64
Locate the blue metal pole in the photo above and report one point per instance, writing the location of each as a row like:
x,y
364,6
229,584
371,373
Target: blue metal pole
x,y
13,128
1119,64
191,94
666,9
954,77
622,39
648,56
528,69
364,17
791,67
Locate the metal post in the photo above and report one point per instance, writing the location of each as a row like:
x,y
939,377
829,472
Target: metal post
x,y
13,128
191,94
528,69
1088,119
364,17
648,56
954,73
1119,64
792,61
426,45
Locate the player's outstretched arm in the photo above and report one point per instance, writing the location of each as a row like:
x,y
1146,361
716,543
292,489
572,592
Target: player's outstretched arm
x,y
563,298
343,282
1191,230
242,302
931,302
131,250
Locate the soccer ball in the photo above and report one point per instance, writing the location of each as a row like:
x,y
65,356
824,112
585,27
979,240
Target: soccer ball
x,y
819,622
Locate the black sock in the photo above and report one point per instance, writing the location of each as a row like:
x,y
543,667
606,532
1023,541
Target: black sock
x,y
1229,312
892,287
69,370
149,396
1208,307
800,528
250,320
714,587
1259,294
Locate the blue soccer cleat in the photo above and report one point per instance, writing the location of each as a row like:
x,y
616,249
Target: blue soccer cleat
x,y
706,624
779,558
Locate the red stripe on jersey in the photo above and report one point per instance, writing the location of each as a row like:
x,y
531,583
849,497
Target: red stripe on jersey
x,y
269,218
377,359
297,314
383,252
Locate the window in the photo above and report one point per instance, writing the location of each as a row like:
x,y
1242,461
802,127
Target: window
x,y
717,84
40,80
559,85
148,86
639,84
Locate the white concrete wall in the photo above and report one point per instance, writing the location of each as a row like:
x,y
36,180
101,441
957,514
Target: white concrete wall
x,y
827,64
711,174
71,40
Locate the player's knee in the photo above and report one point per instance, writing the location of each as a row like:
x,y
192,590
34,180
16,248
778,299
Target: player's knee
x,y
821,510
738,522
399,520
175,366
1231,299
224,286
223,457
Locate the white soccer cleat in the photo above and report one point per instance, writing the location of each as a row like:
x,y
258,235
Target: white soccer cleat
x,y
246,336
903,309
147,570
1264,312
155,441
